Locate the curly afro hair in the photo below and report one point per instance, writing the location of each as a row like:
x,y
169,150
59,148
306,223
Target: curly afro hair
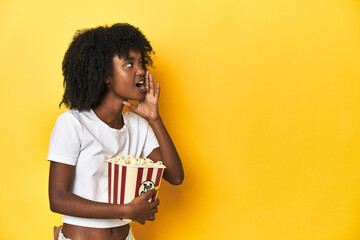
x,y
88,61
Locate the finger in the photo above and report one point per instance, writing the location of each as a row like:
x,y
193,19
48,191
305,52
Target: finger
x,y
149,194
56,232
147,81
154,204
151,84
130,106
152,218
157,94
152,213
155,211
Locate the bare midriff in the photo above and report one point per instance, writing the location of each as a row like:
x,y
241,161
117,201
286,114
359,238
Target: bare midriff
x,y
86,233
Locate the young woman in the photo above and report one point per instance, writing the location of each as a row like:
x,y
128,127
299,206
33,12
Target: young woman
x,y
103,68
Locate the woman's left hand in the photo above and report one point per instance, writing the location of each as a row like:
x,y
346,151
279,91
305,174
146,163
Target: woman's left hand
x,y
147,108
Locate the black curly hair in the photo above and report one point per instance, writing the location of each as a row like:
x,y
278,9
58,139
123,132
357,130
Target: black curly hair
x,y
88,61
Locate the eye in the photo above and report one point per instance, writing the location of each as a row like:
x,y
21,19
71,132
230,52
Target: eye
x,y
130,65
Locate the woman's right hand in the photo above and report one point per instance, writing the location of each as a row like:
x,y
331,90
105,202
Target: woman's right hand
x,y
141,210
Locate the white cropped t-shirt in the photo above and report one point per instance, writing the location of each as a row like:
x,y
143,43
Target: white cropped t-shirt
x,y
81,139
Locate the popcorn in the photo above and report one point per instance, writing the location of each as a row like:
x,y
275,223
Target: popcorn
x,y
136,161
129,177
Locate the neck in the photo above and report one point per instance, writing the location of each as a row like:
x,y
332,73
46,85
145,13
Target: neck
x,y
110,112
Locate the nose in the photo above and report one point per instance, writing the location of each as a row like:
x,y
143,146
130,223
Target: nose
x,y
140,70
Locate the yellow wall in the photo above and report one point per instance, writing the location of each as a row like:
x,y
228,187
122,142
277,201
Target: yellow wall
x,y
262,99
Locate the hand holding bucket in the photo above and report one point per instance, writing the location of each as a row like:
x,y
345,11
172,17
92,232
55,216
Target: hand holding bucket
x,y
126,182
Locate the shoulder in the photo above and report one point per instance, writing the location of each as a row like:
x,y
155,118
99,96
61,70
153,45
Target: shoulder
x,y
70,117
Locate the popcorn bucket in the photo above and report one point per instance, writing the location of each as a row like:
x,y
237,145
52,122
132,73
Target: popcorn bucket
x,y
126,182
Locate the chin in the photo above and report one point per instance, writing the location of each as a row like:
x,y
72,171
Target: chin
x,y
138,98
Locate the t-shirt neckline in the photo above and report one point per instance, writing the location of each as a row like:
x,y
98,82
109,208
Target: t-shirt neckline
x,y
107,126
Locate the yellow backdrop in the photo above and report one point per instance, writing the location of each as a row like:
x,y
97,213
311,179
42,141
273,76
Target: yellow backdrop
x,y
261,98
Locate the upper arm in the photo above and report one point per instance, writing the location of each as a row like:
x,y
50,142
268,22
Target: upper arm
x,y
155,155
61,179
151,144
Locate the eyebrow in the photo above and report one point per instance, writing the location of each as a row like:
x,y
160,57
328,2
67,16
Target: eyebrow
x,y
132,59
129,58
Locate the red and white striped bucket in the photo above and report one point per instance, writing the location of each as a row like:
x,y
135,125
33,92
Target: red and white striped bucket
x,y
126,182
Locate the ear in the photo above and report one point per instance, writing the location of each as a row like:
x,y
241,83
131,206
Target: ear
x,y
107,80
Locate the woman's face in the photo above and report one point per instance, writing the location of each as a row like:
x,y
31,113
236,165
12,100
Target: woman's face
x,y
128,78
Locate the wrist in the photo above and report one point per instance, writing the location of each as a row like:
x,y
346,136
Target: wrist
x,y
154,121
125,211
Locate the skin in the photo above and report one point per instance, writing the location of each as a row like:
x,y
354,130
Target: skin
x,y
121,87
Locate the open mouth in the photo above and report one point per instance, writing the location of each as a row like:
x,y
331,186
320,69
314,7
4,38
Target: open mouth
x,y
140,84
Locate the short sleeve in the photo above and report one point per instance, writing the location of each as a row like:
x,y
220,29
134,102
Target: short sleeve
x,y
150,142
65,140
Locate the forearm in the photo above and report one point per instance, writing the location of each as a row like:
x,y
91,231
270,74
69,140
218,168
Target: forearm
x,y
63,201
73,205
174,170
148,109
